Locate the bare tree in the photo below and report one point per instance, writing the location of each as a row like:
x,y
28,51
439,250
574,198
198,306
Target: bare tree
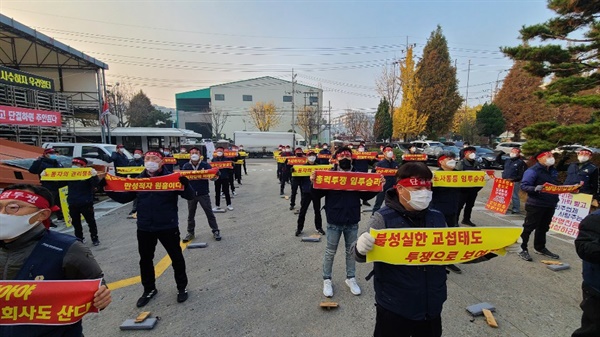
x,y
219,118
358,124
388,85
264,116
308,121
119,98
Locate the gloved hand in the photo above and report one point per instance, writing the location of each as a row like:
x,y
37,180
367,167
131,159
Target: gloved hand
x,y
538,188
184,180
94,172
43,173
364,244
515,247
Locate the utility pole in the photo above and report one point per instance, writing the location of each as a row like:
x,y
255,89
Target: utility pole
x,y
293,98
467,94
329,138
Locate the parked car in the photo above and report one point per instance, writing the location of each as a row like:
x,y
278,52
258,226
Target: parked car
x,y
96,154
506,147
433,153
403,147
573,148
490,159
421,145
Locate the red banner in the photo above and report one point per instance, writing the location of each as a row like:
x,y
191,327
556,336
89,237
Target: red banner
x,y
501,196
222,164
559,189
201,174
46,302
348,181
297,161
227,154
12,115
324,156
414,157
386,172
169,160
364,155
169,182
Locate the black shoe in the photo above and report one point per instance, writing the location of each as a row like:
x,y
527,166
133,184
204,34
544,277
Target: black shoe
x,y
525,256
298,232
146,297
321,231
280,193
217,235
95,241
53,225
366,203
468,223
182,296
547,253
189,237
291,208
454,268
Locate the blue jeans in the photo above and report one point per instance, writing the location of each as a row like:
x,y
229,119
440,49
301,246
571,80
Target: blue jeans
x,y
516,202
334,233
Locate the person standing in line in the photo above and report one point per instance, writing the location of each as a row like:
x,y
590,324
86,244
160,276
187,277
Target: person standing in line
x,y
181,162
539,206
49,160
582,171
222,183
244,158
168,154
137,161
201,196
387,162
119,159
342,209
285,174
362,165
81,202
237,168
324,151
514,167
157,220
468,195
295,180
307,197
279,165
461,152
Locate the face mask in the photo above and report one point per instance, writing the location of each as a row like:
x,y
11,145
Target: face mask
x,y
241,149
195,157
298,154
513,155
412,149
583,159
345,164
451,163
288,150
167,153
219,153
350,146
312,158
182,151
151,166
472,156
550,161
75,166
52,156
15,225
420,199
324,147
121,150
389,154
137,156
361,149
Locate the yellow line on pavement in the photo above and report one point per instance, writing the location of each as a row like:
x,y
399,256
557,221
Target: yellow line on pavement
x,y
159,269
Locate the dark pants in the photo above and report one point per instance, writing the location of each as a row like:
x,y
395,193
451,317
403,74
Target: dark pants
x,y
467,199
56,197
237,170
222,185
279,169
204,201
304,203
134,206
451,220
87,211
295,186
590,319
231,185
169,238
536,219
378,201
283,178
245,171
388,324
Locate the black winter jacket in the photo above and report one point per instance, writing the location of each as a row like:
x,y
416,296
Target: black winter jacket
x,y
587,245
536,175
42,163
81,192
200,186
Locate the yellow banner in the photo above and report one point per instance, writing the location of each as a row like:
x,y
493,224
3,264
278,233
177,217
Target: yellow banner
x,y
239,162
276,153
130,170
459,178
439,246
243,154
306,170
281,160
181,155
67,174
63,193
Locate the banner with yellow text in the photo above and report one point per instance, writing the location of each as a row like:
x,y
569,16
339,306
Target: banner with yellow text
x,y
348,181
364,155
181,155
127,170
559,189
387,172
459,178
66,174
306,170
200,174
169,182
222,164
414,157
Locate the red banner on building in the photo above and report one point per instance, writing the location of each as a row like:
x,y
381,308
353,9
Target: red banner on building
x,y
348,181
201,174
169,182
364,155
296,161
13,115
222,164
414,157
559,189
387,172
501,196
46,302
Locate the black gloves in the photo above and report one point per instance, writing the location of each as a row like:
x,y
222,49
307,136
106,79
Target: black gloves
x,y
184,181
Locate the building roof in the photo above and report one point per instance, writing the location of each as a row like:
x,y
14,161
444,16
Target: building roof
x,y
205,93
139,131
263,78
201,93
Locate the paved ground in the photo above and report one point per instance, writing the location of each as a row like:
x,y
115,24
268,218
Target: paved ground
x,y
260,280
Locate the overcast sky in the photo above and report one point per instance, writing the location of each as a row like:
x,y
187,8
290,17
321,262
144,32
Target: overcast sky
x,y
166,47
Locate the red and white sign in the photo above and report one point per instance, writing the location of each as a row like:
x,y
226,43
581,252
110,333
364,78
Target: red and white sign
x,y
501,196
348,181
12,115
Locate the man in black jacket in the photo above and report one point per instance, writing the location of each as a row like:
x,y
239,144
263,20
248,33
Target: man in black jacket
x,y
514,167
468,195
222,183
138,160
81,202
48,160
587,245
295,181
119,159
387,162
307,198
582,171
158,221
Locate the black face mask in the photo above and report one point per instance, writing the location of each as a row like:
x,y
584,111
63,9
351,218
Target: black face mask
x,y
300,154
345,164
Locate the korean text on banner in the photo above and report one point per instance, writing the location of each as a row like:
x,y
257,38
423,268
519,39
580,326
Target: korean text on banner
x,y
348,181
296,161
222,164
414,157
63,194
67,174
46,302
364,155
387,172
181,155
227,154
501,196
459,178
559,189
170,160
11,115
130,170
569,212
201,174
306,170
169,182
439,246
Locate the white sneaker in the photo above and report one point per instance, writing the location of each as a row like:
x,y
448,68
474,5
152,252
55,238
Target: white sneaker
x,y
327,288
229,207
234,193
217,209
354,288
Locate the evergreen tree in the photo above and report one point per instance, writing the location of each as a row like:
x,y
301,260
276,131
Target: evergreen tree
x,y
382,128
408,122
490,121
439,98
142,113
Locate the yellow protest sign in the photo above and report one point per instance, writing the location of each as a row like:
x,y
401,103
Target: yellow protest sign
x,y
306,170
63,193
181,155
67,174
239,162
243,154
130,170
459,178
281,160
276,153
439,246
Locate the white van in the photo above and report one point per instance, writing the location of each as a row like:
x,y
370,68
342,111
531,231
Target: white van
x,y
96,154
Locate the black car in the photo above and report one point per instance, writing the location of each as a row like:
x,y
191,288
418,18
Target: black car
x,y
490,159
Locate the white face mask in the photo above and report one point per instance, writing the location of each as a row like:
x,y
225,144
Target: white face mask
x,y
182,151
121,150
513,155
420,199
472,156
324,147
195,157
15,225
219,153
167,152
451,163
412,149
361,149
241,149
583,159
550,161
151,166
137,156
389,154
312,159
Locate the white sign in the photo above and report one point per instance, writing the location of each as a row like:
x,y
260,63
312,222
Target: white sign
x,y
569,212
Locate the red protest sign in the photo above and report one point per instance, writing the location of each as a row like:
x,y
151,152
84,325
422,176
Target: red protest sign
x,y
46,302
169,182
169,160
201,174
12,115
386,172
364,155
414,157
559,189
348,181
297,161
227,154
222,164
501,195
324,156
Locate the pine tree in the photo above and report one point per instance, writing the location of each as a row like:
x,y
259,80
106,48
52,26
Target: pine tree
x,y
382,128
408,122
490,121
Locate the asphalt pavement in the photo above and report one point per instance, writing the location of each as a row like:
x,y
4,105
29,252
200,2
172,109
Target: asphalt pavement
x,y
261,280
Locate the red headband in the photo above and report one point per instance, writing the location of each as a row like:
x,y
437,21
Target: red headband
x,y
413,182
30,198
79,161
584,150
543,154
154,153
442,158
